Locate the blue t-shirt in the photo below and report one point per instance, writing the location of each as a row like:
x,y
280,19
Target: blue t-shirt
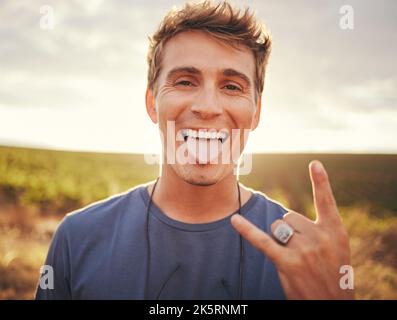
x,y
101,252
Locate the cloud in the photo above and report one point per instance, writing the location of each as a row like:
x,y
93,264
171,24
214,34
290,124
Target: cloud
x,y
320,77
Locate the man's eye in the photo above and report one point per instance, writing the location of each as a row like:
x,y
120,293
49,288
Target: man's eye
x,y
184,83
232,87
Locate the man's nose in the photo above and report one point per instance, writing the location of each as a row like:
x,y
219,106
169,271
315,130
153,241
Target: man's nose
x,y
207,104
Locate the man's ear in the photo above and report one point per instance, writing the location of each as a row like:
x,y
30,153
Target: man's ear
x,y
151,105
257,115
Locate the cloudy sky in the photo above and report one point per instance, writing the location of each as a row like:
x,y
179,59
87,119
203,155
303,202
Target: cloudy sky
x,y
81,84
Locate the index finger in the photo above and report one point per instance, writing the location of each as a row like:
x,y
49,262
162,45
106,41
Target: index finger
x,y
324,201
258,238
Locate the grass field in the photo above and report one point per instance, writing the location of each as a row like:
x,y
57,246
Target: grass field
x,y
37,187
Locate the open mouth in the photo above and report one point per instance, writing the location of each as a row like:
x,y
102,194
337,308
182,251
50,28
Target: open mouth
x,y
204,146
212,134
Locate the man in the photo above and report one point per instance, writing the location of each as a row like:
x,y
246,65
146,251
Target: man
x,y
196,233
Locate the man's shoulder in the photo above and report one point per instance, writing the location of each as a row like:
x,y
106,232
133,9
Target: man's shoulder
x,y
264,210
107,211
269,202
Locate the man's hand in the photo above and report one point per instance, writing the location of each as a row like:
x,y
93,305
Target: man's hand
x,y
308,265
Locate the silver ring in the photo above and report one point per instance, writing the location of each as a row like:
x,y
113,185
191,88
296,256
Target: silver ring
x,y
283,232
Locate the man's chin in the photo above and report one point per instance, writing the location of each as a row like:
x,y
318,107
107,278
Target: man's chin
x,y
200,174
201,183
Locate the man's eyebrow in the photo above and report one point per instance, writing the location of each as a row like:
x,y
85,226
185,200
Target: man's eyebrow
x,y
234,73
177,70
229,72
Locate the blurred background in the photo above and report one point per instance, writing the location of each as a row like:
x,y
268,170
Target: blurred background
x,y
73,124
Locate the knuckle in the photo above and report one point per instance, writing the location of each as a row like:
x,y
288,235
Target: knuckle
x,y
325,244
275,224
292,216
307,250
296,263
288,215
324,238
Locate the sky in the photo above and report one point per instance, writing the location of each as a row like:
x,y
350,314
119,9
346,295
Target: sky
x,y
80,83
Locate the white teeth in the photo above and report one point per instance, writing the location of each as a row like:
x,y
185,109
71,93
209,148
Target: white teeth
x,y
202,134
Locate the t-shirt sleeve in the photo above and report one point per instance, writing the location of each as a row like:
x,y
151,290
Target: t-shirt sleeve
x,y
54,282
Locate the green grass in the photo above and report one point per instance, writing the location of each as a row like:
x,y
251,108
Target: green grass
x,y
58,181
369,180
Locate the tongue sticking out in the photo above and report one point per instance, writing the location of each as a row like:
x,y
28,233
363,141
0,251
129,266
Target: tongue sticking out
x,y
203,151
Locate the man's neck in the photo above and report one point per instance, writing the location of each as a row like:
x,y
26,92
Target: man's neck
x,y
191,203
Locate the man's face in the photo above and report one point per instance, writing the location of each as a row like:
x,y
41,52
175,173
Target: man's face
x,y
204,85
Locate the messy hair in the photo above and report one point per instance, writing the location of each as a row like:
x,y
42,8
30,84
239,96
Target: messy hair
x,y
222,21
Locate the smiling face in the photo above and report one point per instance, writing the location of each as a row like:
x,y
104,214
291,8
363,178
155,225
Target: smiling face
x,y
206,89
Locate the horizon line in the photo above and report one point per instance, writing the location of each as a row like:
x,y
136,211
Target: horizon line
x,y
329,152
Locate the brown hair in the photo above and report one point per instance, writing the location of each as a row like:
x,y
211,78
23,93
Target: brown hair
x,y
221,21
